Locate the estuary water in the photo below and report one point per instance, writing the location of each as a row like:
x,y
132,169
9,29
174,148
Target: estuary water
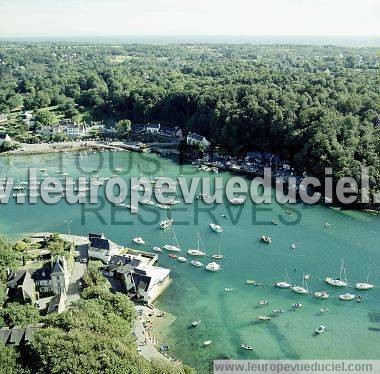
x,y
229,318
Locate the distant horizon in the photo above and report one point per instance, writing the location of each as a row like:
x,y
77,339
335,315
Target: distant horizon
x,y
309,39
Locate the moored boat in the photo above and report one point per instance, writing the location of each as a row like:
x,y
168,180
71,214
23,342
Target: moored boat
x,y
247,347
321,295
157,249
338,282
347,297
265,239
166,223
216,228
319,330
196,263
207,342
196,323
182,259
213,266
138,240
263,318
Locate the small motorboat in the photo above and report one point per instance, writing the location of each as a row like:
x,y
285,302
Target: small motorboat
x,y
157,249
138,240
265,239
228,289
321,295
251,281
182,259
247,347
172,255
207,342
196,323
274,223
278,311
217,256
293,246
327,224
166,223
224,216
297,305
163,206
324,310
347,297
213,266
216,228
359,299
319,330
263,318
196,263
262,302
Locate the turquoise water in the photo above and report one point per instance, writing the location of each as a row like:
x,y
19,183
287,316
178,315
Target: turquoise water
x,y
229,319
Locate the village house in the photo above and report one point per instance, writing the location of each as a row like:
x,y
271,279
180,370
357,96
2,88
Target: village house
x,y
197,140
27,285
19,335
171,132
138,275
4,138
101,248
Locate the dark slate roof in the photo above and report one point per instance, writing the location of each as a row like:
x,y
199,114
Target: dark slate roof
x,y
196,136
117,261
138,128
17,334
100,243
141,281
54,303
42,274
16,278
58,267
5,333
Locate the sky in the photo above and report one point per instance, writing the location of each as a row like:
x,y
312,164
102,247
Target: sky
x,y
36,18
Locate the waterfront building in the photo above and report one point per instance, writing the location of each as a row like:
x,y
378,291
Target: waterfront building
x,y
198,140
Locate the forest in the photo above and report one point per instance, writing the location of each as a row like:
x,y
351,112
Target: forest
x,y
317,106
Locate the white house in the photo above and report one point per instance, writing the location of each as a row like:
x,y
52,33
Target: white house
x,y
101,248
146,281
153,129
4,138
198,140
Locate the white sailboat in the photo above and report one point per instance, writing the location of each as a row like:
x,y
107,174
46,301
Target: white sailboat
x,y
302,290
284,284
182,259
218,256
367,285
196,264
173,247
197,252
338,282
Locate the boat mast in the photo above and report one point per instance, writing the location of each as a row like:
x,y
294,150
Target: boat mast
x,y
369,271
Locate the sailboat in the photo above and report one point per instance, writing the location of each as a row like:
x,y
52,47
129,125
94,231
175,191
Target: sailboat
x,y
218,255
173,247
284,284
338,282
321,295
365,286
301,290
197,252
213,266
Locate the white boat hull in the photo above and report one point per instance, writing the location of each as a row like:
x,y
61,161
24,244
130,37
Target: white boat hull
x,y
283,285
335,282
300,290
364,286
